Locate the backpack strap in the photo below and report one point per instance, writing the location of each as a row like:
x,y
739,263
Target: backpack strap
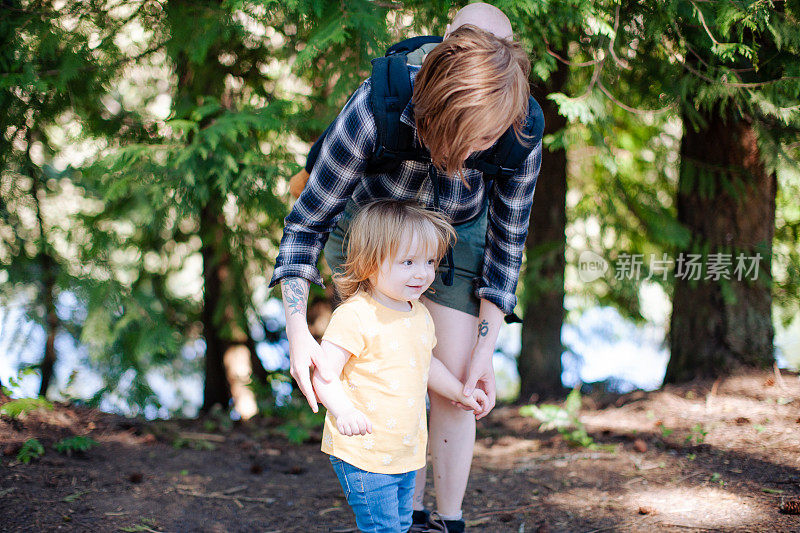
x,y
391,92
412,43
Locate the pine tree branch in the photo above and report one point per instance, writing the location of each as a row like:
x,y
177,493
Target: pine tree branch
x,y
55,72
741,85
622,64
570,63
735,72
598,68
567,61
124,22
632,109
703,22
685,43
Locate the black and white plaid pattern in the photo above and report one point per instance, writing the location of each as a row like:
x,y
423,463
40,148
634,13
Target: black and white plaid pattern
x,y
339,174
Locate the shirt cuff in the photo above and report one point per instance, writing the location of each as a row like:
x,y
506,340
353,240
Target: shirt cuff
x,y
307,272
506,301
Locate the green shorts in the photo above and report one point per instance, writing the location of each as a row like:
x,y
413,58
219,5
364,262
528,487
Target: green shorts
x,y
467,256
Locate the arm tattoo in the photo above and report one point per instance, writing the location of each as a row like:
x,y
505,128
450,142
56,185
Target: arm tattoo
x,y
483,328
295,295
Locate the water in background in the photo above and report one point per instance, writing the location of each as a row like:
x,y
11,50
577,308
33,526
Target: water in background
x,y
600,345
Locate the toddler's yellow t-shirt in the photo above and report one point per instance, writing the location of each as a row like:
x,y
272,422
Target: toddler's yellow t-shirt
x,y
386,379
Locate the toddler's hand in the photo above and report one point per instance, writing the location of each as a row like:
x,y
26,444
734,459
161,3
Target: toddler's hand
x,y
481,399
353,423
475,402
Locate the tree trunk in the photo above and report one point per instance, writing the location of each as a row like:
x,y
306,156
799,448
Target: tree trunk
x,y
230,364
259,372
48,276
216,390
726,197
51,323
539,361
230,355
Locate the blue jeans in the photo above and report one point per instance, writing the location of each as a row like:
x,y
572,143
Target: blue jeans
x,y
381,502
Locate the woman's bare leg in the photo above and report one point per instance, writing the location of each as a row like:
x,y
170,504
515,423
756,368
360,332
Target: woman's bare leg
x,y
452,430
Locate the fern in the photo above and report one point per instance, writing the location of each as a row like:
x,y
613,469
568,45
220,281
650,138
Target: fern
x,y
78,443
17,408
31,449
564,419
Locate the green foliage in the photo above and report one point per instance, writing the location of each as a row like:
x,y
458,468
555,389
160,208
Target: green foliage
x,y
163,195
31,449
18,408
56,65
554,416
193,443
77,443
300,422
566,420
636,71
786,245
218,420
697,435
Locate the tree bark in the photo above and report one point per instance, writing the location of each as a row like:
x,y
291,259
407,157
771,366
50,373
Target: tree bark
x,y
230,352
51,323
726,197
216,390
48,275
539,361
259,372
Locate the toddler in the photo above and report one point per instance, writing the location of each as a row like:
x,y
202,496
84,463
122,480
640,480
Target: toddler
x,y
379,341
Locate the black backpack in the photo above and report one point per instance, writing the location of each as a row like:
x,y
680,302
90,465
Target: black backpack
x,y
391,92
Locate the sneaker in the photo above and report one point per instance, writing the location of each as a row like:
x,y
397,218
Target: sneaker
x,y
437,525
419,521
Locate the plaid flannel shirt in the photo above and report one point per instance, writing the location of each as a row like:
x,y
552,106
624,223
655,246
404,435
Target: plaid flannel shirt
x,y
339,174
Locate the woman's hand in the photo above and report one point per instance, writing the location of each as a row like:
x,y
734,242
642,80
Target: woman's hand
x,y
305,353
481,372
481,376
353,422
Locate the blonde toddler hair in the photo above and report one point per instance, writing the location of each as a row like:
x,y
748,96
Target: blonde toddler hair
x,y
376,233
474,85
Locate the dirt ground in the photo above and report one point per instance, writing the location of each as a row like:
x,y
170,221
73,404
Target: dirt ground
x,y
710,456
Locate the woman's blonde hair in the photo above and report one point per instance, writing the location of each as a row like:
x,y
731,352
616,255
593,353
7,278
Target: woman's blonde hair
x,y
472,86
376,233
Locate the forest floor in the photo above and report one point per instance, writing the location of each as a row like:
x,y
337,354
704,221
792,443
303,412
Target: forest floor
x,y
707,456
